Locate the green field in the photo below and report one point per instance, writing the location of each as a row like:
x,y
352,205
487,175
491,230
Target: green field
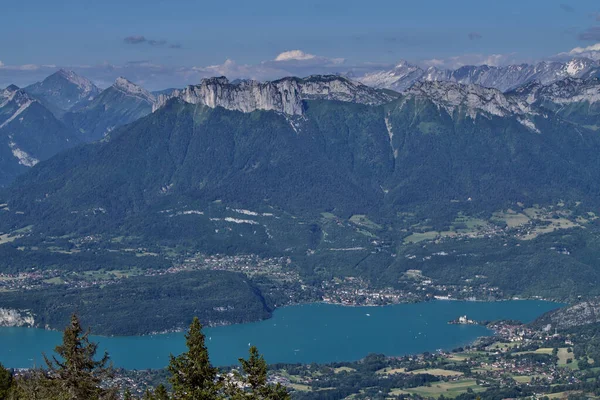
x,y
343,369
436,372
362,220
448,389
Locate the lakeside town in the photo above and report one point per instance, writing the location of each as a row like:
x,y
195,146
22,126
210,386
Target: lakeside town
x,y
350,291
518,361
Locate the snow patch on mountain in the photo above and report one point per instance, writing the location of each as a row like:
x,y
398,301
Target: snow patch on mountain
x,y
574,67
236,220
529,124
24,158
388,125
18,112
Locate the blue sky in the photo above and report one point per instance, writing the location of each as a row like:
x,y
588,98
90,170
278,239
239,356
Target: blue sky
x,y
135,35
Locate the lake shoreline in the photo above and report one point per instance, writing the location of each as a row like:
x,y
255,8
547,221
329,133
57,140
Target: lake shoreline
x,y
340,304
307,333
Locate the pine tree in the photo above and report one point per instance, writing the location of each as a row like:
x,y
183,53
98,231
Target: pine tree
x,y
75,374
148,395
192,375
6,381
255,370
33,385
161,393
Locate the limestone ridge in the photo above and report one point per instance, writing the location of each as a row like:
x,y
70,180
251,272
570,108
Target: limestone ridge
x,y
473,99
132,89
566,91
284,95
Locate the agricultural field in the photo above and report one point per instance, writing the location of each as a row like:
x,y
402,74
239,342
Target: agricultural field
x,y
436,372
448,389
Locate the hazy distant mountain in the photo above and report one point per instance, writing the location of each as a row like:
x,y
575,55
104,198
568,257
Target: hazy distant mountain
x,y
405,75
63,90
167,92
120,104
29,133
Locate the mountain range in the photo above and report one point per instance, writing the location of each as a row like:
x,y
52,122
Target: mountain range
x,y
29,132
504,78
62,111
333,175
120,104
83,113
269,147
378,148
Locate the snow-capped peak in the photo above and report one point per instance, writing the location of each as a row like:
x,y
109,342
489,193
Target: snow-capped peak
x,y
404,75
401,77
132,89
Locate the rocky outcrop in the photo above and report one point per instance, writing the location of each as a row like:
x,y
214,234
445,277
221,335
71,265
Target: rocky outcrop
x,y
9,317
131,89
473,100
584,313
285,95
566,91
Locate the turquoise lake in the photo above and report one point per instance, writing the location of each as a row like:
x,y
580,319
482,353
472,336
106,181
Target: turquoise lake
x,y
298,334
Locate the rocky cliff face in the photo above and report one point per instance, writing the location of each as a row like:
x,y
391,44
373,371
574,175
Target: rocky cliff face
x,y
284,95
584,313
10,317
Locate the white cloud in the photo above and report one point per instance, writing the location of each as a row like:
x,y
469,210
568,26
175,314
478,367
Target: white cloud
x,y
579,50
28,67
300,58
288,63
24,67
294,55
592,52
434,62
